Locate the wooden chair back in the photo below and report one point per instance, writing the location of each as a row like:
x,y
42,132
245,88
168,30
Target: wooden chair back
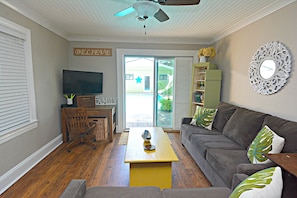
x,y
77,121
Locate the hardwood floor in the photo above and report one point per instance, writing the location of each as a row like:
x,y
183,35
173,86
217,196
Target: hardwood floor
x,y
104,167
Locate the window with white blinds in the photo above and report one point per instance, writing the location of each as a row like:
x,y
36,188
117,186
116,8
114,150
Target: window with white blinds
x,y
17,103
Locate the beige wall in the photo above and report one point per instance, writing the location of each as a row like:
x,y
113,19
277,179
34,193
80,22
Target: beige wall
x,y
108,65
234,54
50,55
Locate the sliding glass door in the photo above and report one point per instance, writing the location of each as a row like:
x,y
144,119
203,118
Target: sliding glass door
x,y
148,91
164,91
139,91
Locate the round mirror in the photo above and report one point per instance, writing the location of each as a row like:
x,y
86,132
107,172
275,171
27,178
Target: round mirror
x,y
267,69
270,68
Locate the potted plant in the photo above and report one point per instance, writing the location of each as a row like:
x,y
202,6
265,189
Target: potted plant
x,y
166,105
69,98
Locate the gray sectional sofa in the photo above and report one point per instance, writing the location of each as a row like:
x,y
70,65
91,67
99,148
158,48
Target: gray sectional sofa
x,y
222,152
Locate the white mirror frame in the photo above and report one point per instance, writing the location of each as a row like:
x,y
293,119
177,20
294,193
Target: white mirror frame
x,y
277,52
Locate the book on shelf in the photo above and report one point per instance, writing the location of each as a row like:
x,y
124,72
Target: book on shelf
x,y
198,97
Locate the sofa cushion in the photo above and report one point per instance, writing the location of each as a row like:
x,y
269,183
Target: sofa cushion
x,y
250,169
212,192
225,162
188,130
265,142
265,183
225,111
204,117
201,143
243,126
123,192
286,129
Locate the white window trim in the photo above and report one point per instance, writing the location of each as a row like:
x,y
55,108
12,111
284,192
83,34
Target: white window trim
x,y
25,33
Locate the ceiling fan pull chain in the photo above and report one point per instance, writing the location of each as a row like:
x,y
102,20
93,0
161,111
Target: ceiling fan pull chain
x,y
144,30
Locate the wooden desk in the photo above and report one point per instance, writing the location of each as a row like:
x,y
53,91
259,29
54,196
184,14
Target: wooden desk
x,y
150,168
107,111
288,162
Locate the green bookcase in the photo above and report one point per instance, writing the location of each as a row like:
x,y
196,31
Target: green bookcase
x,y
206,86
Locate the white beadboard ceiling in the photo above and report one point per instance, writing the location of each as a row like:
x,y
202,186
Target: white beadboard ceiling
x,y
94,20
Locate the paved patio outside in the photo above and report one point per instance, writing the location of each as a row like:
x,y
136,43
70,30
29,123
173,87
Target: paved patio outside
x,y
140,109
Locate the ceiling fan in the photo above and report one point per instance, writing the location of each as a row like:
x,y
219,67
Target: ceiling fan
x,y
150,8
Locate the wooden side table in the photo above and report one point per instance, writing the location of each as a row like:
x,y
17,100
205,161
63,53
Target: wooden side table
x,y
288,162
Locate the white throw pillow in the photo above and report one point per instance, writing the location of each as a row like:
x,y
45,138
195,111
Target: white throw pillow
x,y
262,184
265,142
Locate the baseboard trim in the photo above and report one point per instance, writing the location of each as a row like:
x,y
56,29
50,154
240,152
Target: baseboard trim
x,y
14,174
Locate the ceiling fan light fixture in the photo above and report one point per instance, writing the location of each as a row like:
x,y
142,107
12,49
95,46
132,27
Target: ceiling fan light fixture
x,y
141,18
146,8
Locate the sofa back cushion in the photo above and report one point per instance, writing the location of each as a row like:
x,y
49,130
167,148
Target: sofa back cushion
x,y
225,111
123,192
243,126
285,128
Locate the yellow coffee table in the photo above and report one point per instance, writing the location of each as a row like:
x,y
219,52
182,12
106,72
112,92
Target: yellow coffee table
x,y
150,168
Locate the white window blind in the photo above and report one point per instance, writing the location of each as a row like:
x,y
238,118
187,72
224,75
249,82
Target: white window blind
x,y
17,104
14,86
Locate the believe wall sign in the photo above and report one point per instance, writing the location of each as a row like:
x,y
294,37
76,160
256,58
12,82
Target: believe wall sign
x,y
92,52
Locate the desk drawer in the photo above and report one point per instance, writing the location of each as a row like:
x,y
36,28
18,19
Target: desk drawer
x,y
93,113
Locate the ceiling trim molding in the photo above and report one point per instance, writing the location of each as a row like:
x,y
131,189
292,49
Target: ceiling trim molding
x,y
253,18
13,4
144,39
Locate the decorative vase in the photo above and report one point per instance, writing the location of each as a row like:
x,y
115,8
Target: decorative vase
x,y
69,101
202,59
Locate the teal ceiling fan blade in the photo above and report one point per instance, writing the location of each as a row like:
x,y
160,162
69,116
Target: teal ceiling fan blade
x,y
124,12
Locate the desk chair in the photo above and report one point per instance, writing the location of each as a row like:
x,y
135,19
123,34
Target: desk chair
x,y
79,127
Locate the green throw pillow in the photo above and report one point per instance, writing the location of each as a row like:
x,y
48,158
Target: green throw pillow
x,y
265,142
264,183
204,117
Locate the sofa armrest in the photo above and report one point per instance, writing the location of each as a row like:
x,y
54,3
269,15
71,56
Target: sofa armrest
x,y
75,189
237,179
186,120
250,169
